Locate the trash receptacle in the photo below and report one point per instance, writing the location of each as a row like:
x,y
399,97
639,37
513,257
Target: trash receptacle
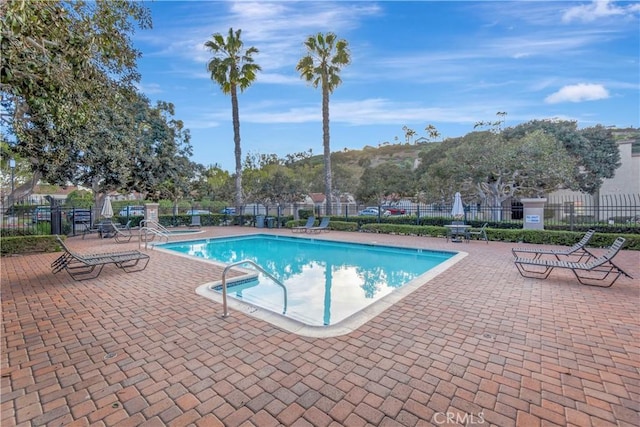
x,y
270,221
260,221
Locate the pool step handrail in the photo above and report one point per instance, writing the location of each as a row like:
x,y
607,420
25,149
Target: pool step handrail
x,y
262,270
154,225
147,234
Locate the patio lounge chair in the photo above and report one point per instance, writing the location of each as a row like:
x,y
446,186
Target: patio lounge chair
x,y
324,226
482,233
592,273
195,221
89,229
303,228
577,250
89,266
123,234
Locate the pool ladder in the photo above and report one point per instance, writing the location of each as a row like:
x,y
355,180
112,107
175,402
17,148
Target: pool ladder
x,y
149,229
262,270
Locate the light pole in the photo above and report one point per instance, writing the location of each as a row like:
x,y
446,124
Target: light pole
x,y
12,166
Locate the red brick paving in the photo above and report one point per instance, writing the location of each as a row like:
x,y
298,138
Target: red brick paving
x,y
478,345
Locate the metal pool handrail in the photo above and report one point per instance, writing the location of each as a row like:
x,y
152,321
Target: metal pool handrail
x,y
154,224
262,270
145,231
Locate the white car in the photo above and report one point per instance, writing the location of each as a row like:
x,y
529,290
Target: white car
x,y
198,212
373,212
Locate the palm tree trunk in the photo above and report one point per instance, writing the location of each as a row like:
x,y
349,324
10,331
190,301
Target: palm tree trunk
x,y
237,150
327,148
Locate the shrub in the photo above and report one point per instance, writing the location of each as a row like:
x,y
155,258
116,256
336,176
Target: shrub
x,y
28,244
540,237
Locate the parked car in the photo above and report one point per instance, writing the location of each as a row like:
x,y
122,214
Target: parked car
x,y
228,211
41,213
198,212
132,211
79,216
371,211
394,210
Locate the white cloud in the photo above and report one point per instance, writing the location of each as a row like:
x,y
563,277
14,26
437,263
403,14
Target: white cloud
x,y
372,111
598,9
578,93
150,88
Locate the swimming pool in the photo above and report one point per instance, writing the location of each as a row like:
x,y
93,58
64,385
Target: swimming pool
x,y
327,282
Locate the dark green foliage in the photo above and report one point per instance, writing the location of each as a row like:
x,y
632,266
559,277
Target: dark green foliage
x,y
594,148
28,244
60,61
305,213
539,237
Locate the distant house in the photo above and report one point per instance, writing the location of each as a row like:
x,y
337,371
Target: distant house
x,y
339,203
616,195
41,192
627,177
134,195
423,140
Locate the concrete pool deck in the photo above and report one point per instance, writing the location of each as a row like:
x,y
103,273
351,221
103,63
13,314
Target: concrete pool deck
x,y
478,345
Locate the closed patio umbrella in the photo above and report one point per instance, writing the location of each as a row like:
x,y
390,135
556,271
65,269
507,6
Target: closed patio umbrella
x,y
458,208
107,209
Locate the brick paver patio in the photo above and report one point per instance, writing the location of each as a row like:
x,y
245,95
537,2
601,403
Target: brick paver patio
x,y
477,345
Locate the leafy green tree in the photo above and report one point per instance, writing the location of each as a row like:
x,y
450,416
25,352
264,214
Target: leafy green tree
x,y
232,69
437,184
345,179
326,56
132,146
253,186
485,166
282,185
80,199
213,183
105,156
60,60
595,149
161,155
387,181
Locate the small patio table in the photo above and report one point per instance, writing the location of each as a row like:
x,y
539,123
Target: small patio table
x,y
457,230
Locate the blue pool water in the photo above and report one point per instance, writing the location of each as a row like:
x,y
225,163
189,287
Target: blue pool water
x,y
326,281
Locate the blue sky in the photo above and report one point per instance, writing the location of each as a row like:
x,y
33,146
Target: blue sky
x,y
414,63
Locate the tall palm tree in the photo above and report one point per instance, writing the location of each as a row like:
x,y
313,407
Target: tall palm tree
x,y
232,68
326,55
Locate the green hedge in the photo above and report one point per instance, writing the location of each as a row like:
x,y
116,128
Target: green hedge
x,y
541,237
618,228
28,244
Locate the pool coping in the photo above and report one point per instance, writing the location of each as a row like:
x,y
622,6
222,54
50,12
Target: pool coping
x,y
343,327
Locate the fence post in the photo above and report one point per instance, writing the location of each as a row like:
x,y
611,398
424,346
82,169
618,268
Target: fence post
x,y
56,216
572,215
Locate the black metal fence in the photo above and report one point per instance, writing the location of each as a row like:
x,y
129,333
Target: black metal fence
x,y
565,212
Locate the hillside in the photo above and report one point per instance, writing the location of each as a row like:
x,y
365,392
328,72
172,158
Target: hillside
x,y
408,154
355,161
